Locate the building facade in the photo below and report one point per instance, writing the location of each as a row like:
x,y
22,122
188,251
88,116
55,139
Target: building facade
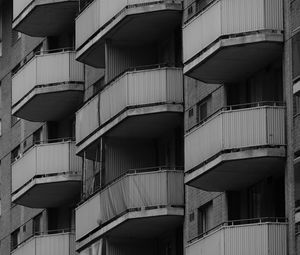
x,y
149,127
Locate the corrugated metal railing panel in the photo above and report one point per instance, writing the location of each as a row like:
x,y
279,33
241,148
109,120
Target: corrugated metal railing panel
x,y
87,216
227,17
239,16
19,6
75,161
24,80
27,248
130,192
24,169
175,188
198,34
87,119
211,244
43,159
246,240
46,69
275,125
259,126
258,239
162,85
53,244
200,144
244,128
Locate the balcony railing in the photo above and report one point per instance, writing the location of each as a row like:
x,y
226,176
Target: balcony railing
x,y
236,239
229,18
132,89
45,159
232,129
99,13
46,70
47,244
131,192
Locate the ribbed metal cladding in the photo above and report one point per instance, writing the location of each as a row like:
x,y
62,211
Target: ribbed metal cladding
x,y
43,159
131,191
258,126
258,239
46,69
47,245
162,85
295,6
228,17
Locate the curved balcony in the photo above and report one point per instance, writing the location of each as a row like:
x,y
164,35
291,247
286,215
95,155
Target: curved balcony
x,y
235,239
135,104
47,175
41,18
123,21
50,244
242,37
48,87
151,199
236,147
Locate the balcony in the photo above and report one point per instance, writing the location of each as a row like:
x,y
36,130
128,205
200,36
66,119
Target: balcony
x,y
136,201
48,87
137,103
235,148
242,37
257,238
47,175
41,18
124,21
61,243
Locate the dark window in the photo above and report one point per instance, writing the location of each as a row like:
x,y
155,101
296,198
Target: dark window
x,y
202,110
15,154
296,56
15,239
205,217
37,224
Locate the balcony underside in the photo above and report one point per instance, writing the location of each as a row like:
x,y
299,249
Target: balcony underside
x,y
236,170
46,18
133,225
49,103
139,122
235,58
49,191
134,26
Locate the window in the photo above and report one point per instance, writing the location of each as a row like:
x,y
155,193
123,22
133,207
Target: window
x,y
37,136
15,239
205,218
0,207
202,110
0,127
202,4
37,224
296,56
15,154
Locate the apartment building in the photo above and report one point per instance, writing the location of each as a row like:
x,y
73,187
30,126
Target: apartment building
x,y
149,127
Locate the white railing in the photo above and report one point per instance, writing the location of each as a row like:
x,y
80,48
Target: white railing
x,y
164,85
132,191
46,69
45,159
260,239
227,17
98,13
54,244
235,129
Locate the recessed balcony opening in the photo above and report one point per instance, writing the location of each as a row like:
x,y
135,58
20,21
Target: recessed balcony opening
x,y
40,18
49,86
123,22
240,40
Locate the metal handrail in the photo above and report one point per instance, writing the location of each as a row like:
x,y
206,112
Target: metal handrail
x,y
240,222
236,107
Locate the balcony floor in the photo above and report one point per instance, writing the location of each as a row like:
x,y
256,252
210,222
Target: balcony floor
x,y
152,22
236,170
46,18
230,60
133,224
138,122
49,103
51,191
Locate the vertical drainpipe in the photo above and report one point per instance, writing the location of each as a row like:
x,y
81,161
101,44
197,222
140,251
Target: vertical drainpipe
x,y
288,95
